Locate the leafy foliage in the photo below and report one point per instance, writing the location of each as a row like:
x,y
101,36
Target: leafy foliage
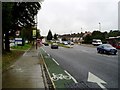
x,y
88,39
114,33
101,35
55,36
17,15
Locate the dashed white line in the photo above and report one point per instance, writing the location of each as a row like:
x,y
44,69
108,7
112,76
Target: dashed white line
x,y
71,76
55,61
43,50
48,54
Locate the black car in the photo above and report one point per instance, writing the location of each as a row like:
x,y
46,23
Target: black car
x,y
54,46
107,49
46,44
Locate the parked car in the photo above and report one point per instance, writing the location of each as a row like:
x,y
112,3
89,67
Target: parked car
x,y
71,43
46,44
65,42
96,42
54,46
106,48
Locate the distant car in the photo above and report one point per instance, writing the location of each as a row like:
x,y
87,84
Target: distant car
x,y
96,42
54,46
71,43
65,42
46,44
107,49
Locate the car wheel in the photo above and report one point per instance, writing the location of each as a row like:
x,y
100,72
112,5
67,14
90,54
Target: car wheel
x,y
114,53
104,52
98,51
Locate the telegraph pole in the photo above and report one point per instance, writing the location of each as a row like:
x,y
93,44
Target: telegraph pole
x,y
36,31
99,26
81,29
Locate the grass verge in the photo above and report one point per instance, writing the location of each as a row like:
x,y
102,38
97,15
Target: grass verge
x,y
25,47
8,58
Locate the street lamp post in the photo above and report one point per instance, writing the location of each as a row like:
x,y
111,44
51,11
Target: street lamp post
x,y
36,31
99,26
81,29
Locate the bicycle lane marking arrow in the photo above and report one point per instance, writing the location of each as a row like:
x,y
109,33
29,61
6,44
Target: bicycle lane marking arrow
x,y
93,78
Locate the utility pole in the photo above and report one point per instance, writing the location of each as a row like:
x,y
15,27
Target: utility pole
x,y
36,31
99,26
81,29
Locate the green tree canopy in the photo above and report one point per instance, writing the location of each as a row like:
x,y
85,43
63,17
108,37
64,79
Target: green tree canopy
x,y
16,15
55,36
114,33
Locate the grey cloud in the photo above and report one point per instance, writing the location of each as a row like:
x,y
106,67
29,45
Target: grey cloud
x,y
64,16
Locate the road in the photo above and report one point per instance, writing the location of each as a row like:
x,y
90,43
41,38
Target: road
x,y
79,61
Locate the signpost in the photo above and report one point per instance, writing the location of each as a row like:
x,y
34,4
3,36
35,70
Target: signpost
x,y
34,34
18,41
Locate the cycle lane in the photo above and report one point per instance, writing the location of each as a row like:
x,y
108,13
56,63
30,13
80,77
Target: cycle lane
x,y
57,74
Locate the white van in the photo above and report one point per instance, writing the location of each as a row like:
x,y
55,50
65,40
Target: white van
x,y
96,42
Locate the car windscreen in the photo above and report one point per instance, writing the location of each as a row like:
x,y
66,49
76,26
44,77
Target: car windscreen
x,y
107,46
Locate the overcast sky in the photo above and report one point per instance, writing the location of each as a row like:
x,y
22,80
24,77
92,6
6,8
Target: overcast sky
x,y
69,16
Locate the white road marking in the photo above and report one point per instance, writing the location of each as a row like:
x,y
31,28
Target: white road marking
x,y
107,55
48,55
56,77
93,78
43,49
71,76
25,54
55,61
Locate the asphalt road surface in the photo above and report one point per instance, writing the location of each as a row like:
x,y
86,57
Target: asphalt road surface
x,y
82,61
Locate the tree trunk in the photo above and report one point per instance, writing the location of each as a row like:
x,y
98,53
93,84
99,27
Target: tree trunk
x,y
7,47
2,44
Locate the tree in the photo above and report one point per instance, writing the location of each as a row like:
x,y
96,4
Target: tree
x,y
88,39
98,35
114,33
26,33
55,36
6,23
17,15
49,36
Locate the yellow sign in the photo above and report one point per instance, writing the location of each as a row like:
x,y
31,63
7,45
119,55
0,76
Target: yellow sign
x,y
34,33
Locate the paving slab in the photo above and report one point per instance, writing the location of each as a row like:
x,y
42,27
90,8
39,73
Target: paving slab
x,y
25,72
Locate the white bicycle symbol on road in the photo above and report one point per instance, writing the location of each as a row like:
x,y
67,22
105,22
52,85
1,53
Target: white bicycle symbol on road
x,y
56,77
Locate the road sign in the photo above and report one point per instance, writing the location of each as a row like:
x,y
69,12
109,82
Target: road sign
x,y
18,41
34,33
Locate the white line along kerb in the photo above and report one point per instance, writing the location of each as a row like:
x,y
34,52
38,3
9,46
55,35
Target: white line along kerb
x,y
43,50
48,54
55,61
71,76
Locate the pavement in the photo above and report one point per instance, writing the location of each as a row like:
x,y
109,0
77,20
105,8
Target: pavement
x,y
26,72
